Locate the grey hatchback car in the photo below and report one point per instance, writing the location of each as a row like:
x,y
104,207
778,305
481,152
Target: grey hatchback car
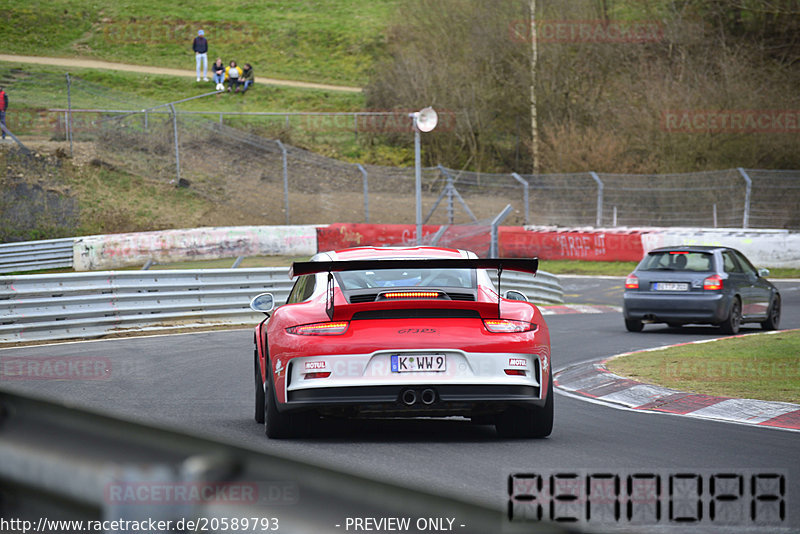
x,y
699,284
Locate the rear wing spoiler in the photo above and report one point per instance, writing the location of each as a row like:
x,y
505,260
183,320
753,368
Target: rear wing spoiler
x,y
500,264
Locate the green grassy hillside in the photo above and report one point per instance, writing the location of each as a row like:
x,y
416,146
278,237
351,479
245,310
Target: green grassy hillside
x,y
333,41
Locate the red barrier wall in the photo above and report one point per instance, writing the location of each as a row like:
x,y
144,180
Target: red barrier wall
x,y
515,242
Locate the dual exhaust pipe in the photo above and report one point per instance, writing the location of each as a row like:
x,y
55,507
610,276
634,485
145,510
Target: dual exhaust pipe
x,y
426,396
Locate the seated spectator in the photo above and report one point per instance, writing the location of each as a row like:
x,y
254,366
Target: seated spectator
x,y
247,78
218,73
233,73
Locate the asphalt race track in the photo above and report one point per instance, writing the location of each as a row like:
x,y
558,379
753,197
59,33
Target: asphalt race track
x,y
203,383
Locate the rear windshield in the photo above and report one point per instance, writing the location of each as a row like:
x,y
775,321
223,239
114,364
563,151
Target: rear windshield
x,y
677,261
463,278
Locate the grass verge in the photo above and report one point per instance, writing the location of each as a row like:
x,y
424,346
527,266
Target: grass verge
x,y
762,366
332,41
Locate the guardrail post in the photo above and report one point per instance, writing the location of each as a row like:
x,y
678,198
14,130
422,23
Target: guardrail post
x,y
525,187
495,246
599,182
366,192
748,189
285,178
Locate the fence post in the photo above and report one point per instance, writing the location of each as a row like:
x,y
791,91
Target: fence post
x,y
69,114
449,191
525,187
494,249
599,182
366,192
177,148
748,189
285,179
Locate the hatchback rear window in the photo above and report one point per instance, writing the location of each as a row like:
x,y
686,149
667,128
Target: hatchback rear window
x,y
677,261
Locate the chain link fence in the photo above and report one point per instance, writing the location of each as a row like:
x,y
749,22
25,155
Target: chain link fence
x,y
277,183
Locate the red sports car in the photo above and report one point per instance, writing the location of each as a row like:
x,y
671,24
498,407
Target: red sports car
x,y
403,332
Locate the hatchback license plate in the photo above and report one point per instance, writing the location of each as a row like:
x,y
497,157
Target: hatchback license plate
x,y
408,363
671,286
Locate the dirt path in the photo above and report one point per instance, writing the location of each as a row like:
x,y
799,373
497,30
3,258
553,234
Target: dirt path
x,y
97,64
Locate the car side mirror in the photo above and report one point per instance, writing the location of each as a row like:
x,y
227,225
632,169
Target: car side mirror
x,y
763,273
263,303
515,295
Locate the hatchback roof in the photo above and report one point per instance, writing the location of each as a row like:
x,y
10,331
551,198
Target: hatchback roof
x,y
690,248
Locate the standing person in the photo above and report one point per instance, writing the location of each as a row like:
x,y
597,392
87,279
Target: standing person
x,y
247,78
218,74
3,108
200,47
233,73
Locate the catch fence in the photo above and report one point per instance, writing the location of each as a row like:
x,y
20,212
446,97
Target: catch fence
x,y
252,163
283,184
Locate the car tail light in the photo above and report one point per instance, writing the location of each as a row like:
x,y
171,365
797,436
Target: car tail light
x,y
516,372
320,329
632,282
713,283
507,325
324,374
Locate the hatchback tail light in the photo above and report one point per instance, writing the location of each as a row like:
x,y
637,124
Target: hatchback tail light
x,y
632,282
713,283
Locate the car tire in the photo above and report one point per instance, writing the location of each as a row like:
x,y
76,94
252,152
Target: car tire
x,y
276,424
732,324
524,422
632,325
259,385
773,315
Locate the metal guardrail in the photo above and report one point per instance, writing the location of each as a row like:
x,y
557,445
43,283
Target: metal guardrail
x,y
36,255
74,305
78,305
106,470
544,288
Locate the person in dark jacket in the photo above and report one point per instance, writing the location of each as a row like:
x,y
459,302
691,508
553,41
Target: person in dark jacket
x,y
200,47
247,77
218,74
3,108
